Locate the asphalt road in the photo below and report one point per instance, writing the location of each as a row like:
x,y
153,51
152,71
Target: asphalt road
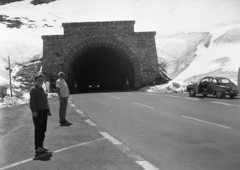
x,y
172,131
77,146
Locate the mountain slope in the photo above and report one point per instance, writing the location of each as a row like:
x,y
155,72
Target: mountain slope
x,y
196,38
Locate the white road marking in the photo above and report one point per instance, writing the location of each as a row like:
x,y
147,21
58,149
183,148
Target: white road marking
x,y
60,150
104,93
206,122
144,105
111,138
172,96
147,165
150,94
73,105
116,97
90,122
235,105
220,103
81,112
133,155
191,98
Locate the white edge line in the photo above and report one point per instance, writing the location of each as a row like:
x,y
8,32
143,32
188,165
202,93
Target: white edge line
x,y
147,165
206,122
81,113
73,105
138,159
60,150
90,122
116,97
111,138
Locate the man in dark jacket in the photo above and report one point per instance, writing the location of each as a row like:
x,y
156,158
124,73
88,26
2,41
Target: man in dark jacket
x,y
40,112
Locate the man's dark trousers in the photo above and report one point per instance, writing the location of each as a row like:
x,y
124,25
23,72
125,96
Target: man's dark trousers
x,y
63,109
40,123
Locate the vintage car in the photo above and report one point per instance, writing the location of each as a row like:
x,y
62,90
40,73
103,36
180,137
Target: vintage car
x,y
216,86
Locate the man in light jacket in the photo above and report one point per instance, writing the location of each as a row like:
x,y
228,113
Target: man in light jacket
x,y
63,94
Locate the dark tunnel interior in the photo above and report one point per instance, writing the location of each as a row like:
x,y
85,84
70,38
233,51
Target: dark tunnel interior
x,y
102,68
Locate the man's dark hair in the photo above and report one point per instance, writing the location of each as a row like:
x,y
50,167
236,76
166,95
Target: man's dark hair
x,y
39,75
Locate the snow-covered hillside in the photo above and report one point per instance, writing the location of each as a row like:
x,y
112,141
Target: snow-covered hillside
x,y
194,37
220,58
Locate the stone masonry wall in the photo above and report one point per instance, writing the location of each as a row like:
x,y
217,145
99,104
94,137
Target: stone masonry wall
x,y
60,51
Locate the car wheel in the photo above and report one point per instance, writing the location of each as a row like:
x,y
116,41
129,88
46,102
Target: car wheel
x,y
192,93
219,94
232,96
204,95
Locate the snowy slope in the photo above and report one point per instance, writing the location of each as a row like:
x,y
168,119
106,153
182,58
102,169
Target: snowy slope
x,y
171,19
221,58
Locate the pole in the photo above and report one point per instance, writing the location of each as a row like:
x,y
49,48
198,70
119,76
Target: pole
x,y
10,71
239,79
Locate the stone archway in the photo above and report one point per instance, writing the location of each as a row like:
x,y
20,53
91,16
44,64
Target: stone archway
x,y
137,50
75,54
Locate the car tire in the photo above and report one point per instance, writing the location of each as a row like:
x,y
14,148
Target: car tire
x,y
219,94
192,92
204,95
232,96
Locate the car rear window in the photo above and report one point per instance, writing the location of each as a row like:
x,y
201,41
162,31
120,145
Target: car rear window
x,y
224,81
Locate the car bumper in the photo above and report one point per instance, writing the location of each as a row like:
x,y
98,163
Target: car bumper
x,y
233,93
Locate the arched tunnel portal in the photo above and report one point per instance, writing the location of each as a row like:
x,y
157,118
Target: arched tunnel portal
x,y
101,67
101,56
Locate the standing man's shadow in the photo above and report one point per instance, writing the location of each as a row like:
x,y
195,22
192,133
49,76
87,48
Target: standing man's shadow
x,y
45,156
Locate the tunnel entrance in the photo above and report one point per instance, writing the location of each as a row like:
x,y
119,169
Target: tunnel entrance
x,y
102,68
101,56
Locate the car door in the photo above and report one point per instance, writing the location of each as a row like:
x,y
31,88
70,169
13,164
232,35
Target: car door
x,y
212,84
202,85
198,86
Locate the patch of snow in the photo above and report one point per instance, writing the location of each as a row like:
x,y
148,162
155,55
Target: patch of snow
x,y
170,87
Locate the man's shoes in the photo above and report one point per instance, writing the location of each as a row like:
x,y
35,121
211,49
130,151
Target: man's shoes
x,y
65,121
40,150
45,148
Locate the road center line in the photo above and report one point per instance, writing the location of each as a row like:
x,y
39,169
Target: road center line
x,y
221,103
60,150
143,105
116,97
206,122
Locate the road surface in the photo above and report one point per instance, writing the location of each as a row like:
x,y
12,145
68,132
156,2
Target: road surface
x,y
172,131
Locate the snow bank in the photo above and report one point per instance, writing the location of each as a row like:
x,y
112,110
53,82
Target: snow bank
x,y
170,87
17,101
